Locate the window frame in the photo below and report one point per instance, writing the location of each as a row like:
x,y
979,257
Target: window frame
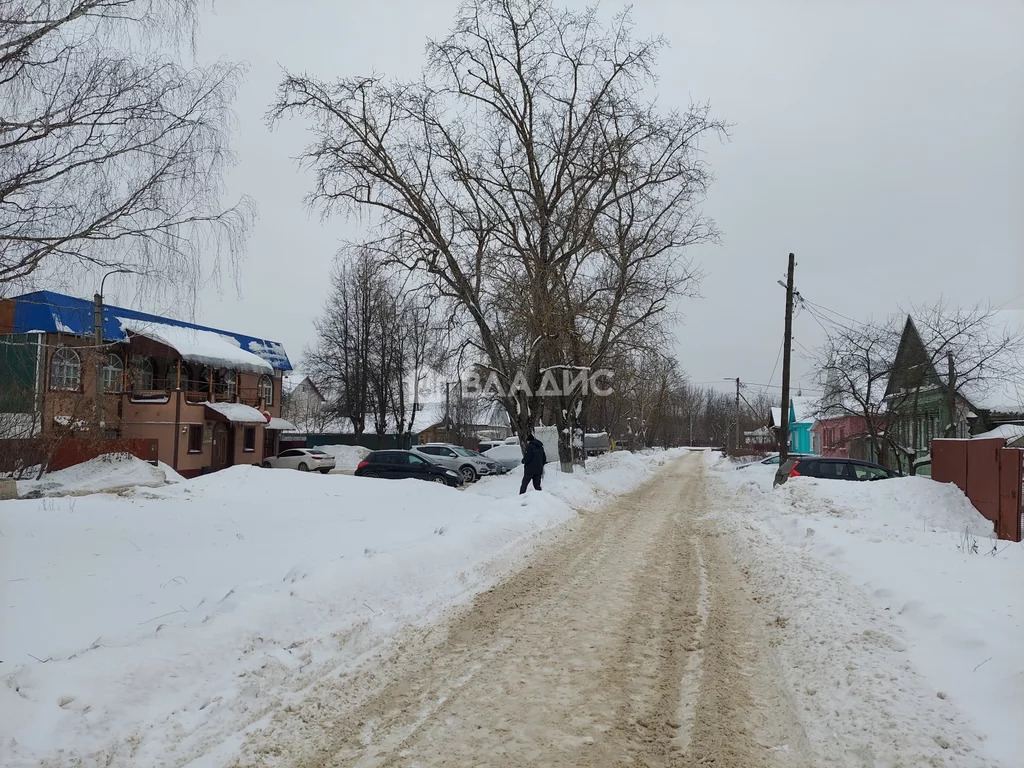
x,y
143,365
230,381
77,364
266,380
117,378
247,432
196,429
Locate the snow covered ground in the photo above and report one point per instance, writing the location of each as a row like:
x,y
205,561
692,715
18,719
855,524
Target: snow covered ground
x,y
149,626
884,583
109,472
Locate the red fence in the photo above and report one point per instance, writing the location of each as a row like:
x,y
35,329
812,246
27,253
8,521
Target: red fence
x,y
991,476
73,451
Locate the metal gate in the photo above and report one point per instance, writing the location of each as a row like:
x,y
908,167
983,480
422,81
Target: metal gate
x,y
1011,494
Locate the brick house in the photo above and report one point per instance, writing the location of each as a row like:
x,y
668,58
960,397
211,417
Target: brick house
x,y
211,398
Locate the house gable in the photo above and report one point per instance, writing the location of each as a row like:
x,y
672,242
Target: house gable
x,y
913,367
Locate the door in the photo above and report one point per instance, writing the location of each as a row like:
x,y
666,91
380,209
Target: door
x,y
221,440
418,467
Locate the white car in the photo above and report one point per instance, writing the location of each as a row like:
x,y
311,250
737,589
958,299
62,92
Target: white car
x,y
508,453
302,459
469,464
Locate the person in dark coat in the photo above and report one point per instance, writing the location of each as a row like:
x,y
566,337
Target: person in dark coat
x,y
533,463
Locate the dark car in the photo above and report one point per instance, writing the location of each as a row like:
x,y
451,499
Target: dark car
x,y
399,465
838,469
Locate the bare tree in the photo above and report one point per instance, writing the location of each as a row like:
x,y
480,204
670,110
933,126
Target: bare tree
x,y
338,361
377,338
111,151
854,367
526,157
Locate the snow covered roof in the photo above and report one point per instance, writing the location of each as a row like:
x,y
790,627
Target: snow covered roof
x,y
998,394
776,414
50,312
238,413
1008,432
199,346
282,424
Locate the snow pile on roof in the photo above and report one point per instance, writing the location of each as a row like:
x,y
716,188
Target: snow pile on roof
x,y
345,456
1008,432
198,346
171,619
238,413
109,472
905,570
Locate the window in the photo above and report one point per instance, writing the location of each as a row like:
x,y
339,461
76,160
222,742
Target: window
x,y
113,374
230,383
289,454
267,390
414,460
195,438
65,369
431,450
249,439
864,472
144,373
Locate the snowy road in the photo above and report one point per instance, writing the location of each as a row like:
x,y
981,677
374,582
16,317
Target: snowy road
x,y
631,640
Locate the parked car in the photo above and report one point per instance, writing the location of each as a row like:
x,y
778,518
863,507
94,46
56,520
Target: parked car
x,y
469,464
486,445
508,453
499,468
774,460
302,459
838,469
400,465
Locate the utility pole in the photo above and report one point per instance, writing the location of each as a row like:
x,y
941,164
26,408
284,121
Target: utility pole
x,y
950,430
97,342
736,449
787,346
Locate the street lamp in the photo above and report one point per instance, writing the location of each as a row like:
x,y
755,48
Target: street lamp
x,y
97,332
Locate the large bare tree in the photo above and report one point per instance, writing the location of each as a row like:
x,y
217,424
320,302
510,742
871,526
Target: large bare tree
x,y
112,151
527,162
854,366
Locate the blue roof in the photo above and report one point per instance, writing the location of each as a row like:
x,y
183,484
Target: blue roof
x,y
58,313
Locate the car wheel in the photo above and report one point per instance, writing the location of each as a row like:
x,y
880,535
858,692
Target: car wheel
x,y
303,467
468,473
325,470
439,479
265,465
370,474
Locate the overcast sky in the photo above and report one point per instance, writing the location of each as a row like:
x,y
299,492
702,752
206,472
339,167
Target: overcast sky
x,y
879,141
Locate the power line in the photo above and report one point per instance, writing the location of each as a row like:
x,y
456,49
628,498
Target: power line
x,y
778,357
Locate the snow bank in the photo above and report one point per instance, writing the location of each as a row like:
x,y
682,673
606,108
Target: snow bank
x,y
148,629
109,472
345,456
929,564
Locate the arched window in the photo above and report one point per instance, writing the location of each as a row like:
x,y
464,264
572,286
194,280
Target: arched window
x,y
267,390
144,373
65,369
230,383
113,374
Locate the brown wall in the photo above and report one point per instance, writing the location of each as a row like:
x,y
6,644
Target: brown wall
x,y
151,419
